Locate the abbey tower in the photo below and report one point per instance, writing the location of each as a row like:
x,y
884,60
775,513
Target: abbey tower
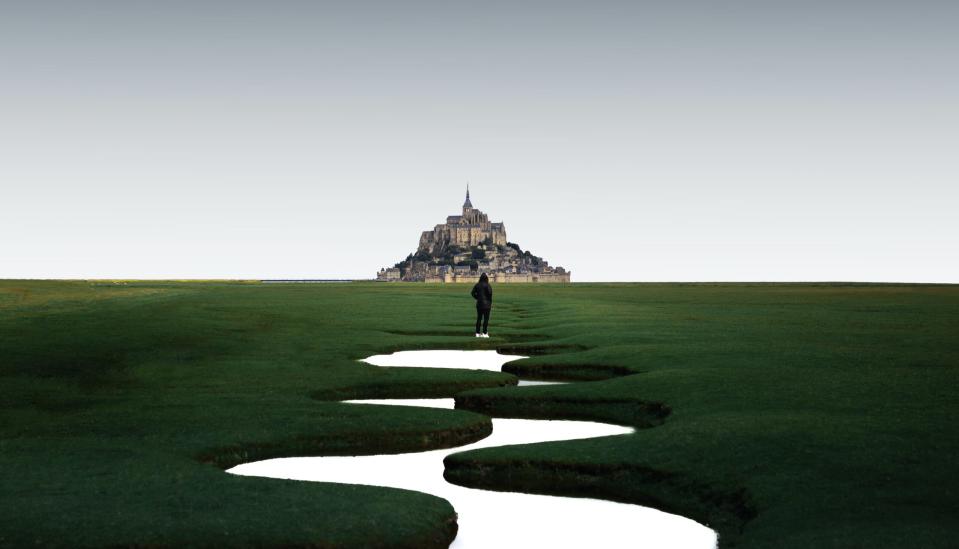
x,y
466,246
472,228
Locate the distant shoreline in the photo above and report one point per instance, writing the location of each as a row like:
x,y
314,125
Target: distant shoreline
x,y
580,282
312,280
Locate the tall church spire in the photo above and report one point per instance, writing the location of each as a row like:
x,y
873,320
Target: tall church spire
x,y
467,204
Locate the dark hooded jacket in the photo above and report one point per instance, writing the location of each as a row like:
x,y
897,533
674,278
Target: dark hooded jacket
x,y
483,293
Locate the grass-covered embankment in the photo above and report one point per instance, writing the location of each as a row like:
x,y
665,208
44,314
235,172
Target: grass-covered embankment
x,y
781,415
121,404
785,415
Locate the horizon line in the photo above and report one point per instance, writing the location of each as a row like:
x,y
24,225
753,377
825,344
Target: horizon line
x,y
267,280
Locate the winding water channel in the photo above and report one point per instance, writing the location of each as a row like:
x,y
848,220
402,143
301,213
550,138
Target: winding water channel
x,y
501,520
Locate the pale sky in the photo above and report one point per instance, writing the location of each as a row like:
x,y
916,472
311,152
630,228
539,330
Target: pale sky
x,y
650,141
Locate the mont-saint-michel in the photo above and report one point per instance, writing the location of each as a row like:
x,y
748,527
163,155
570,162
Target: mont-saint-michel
x,y
466,246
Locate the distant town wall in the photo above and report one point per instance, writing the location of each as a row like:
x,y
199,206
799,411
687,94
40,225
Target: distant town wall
x,y
501,278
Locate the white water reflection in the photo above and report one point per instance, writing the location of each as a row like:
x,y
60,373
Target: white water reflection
x,y
501,520
466,360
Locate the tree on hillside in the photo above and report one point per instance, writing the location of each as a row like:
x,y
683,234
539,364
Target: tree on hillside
x,y
422,255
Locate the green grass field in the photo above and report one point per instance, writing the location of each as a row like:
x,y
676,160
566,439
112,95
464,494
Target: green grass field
x,y
779,415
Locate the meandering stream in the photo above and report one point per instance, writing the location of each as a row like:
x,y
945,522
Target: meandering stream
x,y
500,520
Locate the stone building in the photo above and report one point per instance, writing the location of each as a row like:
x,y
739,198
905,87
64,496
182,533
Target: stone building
x,y
389,275
466,246
472,228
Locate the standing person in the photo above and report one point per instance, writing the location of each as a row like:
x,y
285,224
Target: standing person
x,y
483,294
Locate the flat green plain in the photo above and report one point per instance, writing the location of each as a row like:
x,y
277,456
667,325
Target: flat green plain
x,y
781,415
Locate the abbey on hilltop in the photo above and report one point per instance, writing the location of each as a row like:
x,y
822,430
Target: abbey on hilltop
x,y
466,246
